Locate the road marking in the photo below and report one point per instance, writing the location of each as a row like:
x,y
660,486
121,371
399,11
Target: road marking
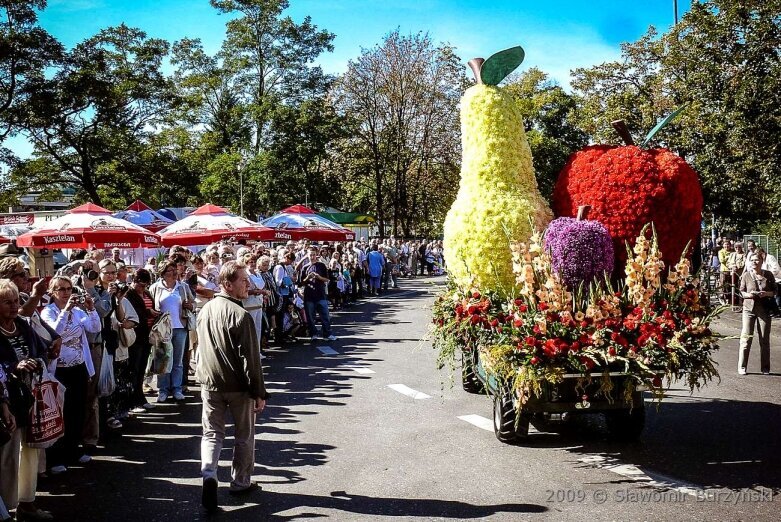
x,y
636,474
327,350
480,422
409,392
485,424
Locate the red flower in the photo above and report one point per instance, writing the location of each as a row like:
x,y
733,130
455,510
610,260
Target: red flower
x,y
495,322
476,295
475,319
536,329
530,341
518,323
535,360
542,306
523,308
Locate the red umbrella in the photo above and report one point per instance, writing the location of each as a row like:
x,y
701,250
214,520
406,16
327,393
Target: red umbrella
x,y
88,225
301,222
211,223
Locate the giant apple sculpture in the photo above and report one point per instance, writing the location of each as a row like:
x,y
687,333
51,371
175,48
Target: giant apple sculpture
x,y
628,187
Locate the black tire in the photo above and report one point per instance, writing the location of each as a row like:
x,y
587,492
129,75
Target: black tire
x,y
505,427
625,425
469,380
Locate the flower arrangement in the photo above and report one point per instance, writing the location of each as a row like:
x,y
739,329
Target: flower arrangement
x,y
652,328
628,187
581,251
498,192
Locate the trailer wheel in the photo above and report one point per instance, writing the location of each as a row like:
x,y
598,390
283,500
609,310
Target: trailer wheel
x,y
625,425
469,380
505,427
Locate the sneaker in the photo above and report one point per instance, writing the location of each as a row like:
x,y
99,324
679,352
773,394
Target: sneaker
x,y
314,339
32,514
741,371
148,406
330,338
209,494
84,459
765,372
178,396
138,409
56,470
113,423
162,397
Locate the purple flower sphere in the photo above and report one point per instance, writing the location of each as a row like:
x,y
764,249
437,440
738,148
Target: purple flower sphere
x,y
581,251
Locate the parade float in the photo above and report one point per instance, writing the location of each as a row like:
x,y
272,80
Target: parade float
x,y
580,314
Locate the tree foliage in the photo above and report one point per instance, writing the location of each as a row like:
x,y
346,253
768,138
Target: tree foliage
x,y
549,114
402,96
724,59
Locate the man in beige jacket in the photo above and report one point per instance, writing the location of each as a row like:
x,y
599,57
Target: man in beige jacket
x,y
231,378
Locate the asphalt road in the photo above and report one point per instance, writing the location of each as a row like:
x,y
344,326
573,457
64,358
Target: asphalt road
x,y
370,430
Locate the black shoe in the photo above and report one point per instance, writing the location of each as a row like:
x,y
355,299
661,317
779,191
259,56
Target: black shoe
x,y
209,494
254,486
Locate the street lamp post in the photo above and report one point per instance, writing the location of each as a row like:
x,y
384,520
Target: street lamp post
x,y
242,166
675,8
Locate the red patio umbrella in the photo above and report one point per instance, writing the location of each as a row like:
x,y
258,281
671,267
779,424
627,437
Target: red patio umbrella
x,y
87,225
301,222
211,223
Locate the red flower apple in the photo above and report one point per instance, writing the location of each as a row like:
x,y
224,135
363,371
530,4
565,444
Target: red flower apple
x,y
628,187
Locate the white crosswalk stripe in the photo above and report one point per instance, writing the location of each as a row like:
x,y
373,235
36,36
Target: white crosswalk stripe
x,y
409,392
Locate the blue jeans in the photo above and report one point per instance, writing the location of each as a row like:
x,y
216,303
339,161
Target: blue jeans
x,y
171,383
322,309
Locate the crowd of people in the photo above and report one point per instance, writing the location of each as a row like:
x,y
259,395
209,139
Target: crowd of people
x,y
114,335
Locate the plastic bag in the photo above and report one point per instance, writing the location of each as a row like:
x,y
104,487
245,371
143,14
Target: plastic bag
x,y
106,382
47,421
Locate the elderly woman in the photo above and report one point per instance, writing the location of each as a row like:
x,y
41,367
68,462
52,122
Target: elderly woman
x,y
170,295
257,289
756,287
71,316
21,353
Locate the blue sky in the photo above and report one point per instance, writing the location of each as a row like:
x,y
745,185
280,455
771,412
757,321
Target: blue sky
x,y
557,35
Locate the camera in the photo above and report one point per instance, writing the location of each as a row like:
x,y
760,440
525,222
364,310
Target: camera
x,y
121,287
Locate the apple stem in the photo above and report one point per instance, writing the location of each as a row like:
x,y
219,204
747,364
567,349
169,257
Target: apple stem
x,y
476,64
623,131
583,212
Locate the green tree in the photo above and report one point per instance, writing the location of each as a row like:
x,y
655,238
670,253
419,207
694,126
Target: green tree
x,y
402,96
25,51
549,114
269,57
92,119
723,60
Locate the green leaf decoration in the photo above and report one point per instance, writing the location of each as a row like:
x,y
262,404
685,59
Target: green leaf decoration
x,y
662,124
499,65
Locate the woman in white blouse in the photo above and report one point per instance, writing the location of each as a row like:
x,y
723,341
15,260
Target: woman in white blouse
x,y
71,315
170,295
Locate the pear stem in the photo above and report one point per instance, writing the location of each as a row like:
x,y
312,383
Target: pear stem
x,y
583,212
476,64
623,131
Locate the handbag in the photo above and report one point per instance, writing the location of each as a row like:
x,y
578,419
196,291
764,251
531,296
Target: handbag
x,y
20,398
187,316
46,421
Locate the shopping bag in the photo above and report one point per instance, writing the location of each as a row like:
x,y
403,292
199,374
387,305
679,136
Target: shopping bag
x,y
106,382
47,423
161,360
